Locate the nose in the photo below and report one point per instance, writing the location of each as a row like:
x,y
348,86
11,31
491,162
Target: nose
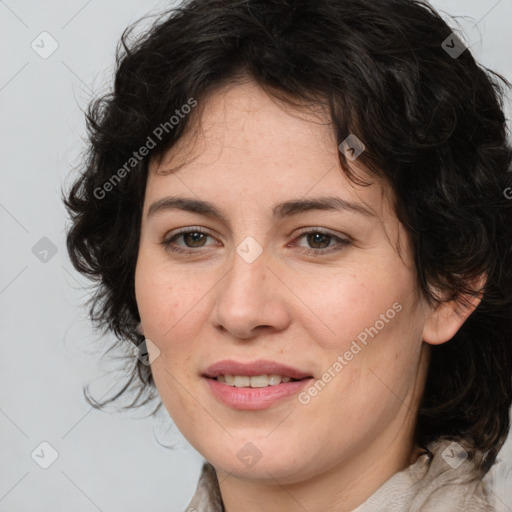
x,y
251,299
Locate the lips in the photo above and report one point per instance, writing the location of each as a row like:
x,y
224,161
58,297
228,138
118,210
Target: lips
x,y
255,368
240,396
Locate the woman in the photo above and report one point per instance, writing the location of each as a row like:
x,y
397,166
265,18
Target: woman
x,y
299,210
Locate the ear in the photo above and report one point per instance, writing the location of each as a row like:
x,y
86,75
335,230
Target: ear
x,y
444,320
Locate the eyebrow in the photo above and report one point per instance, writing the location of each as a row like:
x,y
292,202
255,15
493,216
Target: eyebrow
x,y
280,211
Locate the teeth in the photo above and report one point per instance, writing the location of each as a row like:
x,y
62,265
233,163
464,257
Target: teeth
x,y
262,381
242,382
257,381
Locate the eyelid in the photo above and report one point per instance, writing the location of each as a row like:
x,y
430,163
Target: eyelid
x,y
183,231
342,240
324,231
302,231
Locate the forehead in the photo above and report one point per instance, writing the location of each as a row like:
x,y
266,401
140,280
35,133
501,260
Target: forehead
x,y
245,145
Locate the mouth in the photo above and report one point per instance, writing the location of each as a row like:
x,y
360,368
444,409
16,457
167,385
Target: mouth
x,y
258,373
255,381
255,385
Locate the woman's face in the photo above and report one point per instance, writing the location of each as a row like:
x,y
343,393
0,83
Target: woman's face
x,y
255,288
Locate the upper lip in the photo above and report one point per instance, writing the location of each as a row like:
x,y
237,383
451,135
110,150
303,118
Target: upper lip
x,y
259,367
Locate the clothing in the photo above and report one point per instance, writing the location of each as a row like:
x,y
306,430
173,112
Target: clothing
x,y
441,480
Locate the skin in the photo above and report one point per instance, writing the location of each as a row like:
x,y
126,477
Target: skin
x,y
249,153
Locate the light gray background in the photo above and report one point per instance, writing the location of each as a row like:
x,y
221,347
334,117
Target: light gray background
x,y
107,462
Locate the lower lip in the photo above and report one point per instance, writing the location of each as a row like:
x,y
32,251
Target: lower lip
x,y
254,398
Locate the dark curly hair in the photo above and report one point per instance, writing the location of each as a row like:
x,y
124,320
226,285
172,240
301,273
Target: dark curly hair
x,y
434,129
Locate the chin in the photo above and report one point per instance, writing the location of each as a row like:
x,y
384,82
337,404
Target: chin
x,y
265,464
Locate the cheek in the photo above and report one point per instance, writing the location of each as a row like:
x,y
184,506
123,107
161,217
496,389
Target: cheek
x,y
162,296
368,302
169,307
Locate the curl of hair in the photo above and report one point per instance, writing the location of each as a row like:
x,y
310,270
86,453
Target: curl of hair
x,y
433,127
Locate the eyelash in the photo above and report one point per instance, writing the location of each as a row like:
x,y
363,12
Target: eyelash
x,y
310,252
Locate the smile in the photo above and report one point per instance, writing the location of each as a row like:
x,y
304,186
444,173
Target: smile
x,y
257,381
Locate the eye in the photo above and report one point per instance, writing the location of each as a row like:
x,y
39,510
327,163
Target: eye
x,y
317,237
195,237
